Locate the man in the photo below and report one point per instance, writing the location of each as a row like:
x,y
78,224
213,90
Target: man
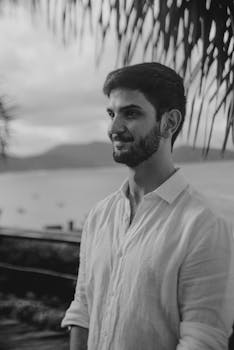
x,y
156,264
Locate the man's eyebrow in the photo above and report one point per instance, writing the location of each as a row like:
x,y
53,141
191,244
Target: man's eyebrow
x,y
109,109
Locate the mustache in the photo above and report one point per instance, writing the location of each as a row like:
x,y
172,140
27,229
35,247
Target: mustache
x,y
121,137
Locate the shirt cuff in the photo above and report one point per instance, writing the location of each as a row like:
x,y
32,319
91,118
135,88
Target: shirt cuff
x,y
76,315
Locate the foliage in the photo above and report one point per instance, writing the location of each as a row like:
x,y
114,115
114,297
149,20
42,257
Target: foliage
x,y
196,37
58,257
32,311
45,269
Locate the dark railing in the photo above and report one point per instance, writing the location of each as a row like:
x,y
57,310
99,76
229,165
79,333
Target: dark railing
x,y
45,235
36,271
18,276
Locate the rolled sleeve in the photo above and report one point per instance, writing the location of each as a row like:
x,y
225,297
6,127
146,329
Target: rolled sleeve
x,y
77,314
206,290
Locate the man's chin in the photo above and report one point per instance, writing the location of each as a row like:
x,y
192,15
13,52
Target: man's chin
x,y
119,158
125,159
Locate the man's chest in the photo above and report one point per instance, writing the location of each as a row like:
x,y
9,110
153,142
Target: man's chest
x,y
139,255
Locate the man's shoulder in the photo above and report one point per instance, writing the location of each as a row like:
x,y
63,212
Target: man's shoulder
x,y
201,204
201,215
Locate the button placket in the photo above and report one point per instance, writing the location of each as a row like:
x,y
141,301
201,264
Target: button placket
x,y
132,231
115,282
110,302
118,273
107,329
106,318
126,216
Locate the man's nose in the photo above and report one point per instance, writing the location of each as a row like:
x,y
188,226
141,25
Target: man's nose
x,y
117,125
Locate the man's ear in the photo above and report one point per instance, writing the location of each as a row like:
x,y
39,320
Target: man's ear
x,y
170,122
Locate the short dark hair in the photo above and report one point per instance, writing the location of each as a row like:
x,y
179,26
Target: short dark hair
x,y
161,85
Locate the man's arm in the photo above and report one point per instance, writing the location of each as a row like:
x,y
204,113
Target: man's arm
x,y
79,338
77,314
206,290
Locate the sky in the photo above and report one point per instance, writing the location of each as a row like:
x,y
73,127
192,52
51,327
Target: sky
x,y
56,89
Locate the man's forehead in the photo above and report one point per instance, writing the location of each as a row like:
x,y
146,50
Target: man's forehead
x,y
122,96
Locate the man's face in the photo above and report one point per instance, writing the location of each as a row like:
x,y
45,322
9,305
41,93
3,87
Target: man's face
x,y
133,130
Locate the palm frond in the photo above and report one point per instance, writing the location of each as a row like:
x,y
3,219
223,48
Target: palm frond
x,y
206,27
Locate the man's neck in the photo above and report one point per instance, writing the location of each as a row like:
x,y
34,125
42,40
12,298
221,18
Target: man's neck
x,y
146,177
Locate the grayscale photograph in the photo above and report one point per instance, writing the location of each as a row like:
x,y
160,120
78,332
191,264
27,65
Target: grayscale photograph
x,y
117,175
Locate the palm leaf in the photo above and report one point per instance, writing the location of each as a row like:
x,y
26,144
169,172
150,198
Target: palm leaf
x,y
228,124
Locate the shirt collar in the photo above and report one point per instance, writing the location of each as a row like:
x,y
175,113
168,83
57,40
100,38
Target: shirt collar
x,y
169,190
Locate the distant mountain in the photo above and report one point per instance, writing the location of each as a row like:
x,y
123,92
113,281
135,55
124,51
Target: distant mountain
x,y
186,154
96,154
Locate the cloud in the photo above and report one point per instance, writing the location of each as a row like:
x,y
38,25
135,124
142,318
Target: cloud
x,y
29,139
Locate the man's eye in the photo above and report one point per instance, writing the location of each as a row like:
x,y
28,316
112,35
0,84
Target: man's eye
x,y
111,114
131,114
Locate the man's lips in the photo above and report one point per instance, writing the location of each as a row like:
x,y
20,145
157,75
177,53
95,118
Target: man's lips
x,y
117,139
120,143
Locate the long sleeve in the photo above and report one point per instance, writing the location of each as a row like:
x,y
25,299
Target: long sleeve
x,y
77,314
206,290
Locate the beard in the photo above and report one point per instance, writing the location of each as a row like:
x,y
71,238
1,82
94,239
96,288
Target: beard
x,y
137,153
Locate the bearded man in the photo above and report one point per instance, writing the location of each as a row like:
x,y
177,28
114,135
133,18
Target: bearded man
x,y
156,262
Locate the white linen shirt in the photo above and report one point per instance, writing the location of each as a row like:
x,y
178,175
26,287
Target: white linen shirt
x,y
165,282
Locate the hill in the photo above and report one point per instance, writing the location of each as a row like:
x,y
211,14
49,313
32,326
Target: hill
x,y
187,154
96,154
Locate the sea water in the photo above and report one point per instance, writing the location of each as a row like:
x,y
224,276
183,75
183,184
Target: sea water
x,y
54,197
